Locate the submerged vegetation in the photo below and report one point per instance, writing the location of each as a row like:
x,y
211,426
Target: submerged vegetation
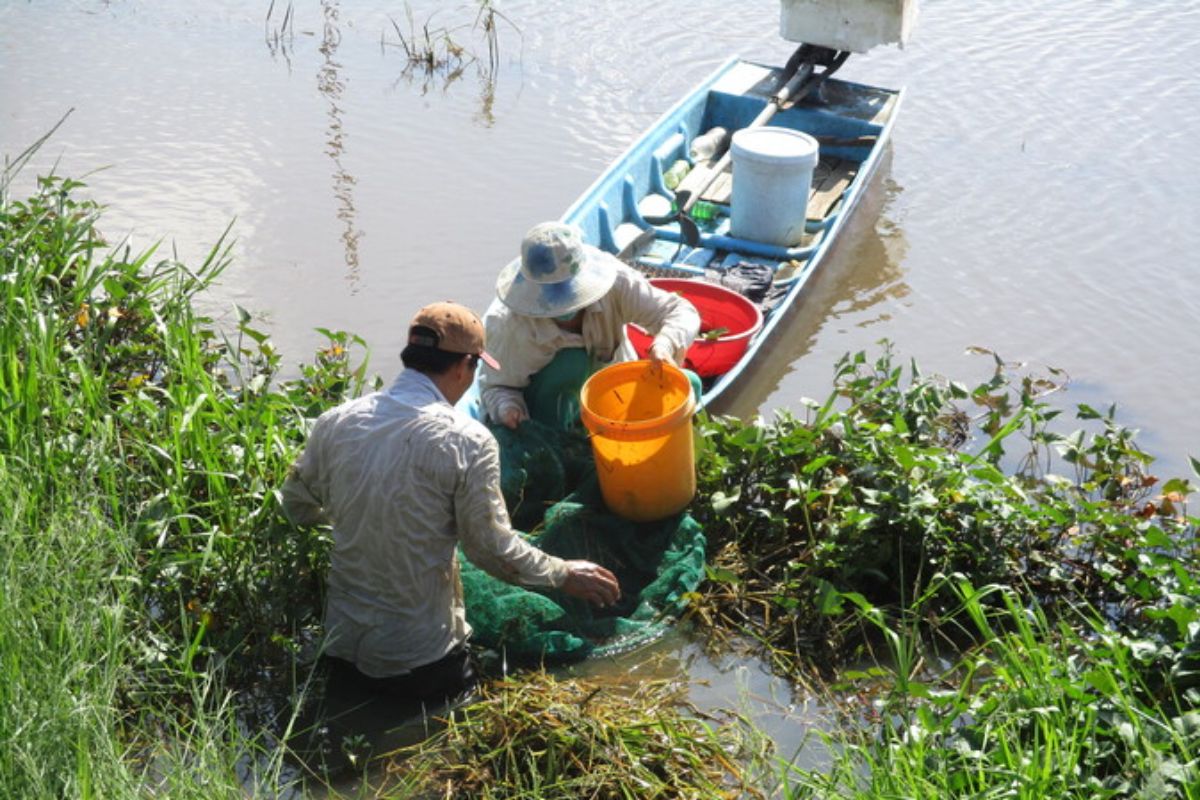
x,y
1018,603
538,736
436,51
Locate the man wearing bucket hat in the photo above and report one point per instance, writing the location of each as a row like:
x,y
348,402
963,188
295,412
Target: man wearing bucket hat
x,y
404,479
560,315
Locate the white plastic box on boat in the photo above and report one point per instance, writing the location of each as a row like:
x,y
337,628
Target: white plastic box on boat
x,y
854,25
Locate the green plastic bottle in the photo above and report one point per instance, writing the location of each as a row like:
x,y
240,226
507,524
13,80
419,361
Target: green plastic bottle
x,y
704,211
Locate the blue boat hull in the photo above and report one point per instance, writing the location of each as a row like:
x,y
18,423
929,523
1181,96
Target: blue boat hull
x,y
852,123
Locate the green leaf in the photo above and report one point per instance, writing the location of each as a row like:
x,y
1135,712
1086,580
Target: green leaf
x,y
830,601
721,575
1101,680
1156,537
186,422
722,501
916,689
815,464
257,336
1177,485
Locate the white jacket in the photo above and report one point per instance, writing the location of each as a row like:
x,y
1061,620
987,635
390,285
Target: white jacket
x,y
524,345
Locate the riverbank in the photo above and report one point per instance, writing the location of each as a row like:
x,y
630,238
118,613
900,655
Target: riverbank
x,y
1023,597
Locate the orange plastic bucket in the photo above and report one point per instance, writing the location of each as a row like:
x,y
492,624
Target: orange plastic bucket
x,y
640,419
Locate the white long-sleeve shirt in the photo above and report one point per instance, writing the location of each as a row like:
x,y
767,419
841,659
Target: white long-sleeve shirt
x,y
524,345
404,478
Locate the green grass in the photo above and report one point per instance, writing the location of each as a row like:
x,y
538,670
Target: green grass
x,y
63,650
1035,709
148,577
155,606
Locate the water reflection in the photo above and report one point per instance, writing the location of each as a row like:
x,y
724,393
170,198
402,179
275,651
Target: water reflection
x,y
331,85
858,283
435,57
788,714
337,734
280,37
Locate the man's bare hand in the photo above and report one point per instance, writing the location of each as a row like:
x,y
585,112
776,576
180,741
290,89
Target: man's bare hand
x,y
591,582
660,353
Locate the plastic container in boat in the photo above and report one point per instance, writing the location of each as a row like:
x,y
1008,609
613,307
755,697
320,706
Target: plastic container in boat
x,y
709,144
716,353
772,177
640,420
855,25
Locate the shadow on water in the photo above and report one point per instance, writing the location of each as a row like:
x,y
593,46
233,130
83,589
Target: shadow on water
x,y
861,271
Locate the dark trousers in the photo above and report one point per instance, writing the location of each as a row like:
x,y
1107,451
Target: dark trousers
x,y
444,679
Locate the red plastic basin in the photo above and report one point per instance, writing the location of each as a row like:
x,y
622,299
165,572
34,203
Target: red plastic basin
x,y
718,308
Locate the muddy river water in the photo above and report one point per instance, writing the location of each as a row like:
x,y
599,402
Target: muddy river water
x,y
1041,197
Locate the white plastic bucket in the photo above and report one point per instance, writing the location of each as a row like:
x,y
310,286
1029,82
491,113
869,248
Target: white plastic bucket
x,y
772,176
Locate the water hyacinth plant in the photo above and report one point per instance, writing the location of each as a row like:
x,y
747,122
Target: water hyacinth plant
x,y
157,612
1036,708
858,534
877,491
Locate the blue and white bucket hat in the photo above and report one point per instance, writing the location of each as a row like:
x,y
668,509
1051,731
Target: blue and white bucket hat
x,y
556,274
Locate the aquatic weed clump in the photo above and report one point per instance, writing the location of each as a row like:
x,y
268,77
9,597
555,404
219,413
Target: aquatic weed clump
x,y
535,735
891,522
890,484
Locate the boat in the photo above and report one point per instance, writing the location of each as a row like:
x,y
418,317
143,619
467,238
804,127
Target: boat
x,y
667,210
695,239
668,207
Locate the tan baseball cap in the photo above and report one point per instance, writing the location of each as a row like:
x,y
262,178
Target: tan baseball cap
x,y
456,330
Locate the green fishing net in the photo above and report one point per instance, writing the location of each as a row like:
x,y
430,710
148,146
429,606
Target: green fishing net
x,y
548,479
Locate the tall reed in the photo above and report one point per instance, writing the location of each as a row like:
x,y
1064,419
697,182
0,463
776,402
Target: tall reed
x,y
148,576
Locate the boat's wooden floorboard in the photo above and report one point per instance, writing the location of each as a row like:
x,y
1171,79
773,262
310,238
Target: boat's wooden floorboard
x,y
830,179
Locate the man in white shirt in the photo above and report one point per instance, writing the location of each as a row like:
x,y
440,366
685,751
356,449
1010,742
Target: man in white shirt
x,y
560,314
404,479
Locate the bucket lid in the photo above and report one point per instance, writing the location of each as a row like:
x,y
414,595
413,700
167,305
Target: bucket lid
x,y
775,146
